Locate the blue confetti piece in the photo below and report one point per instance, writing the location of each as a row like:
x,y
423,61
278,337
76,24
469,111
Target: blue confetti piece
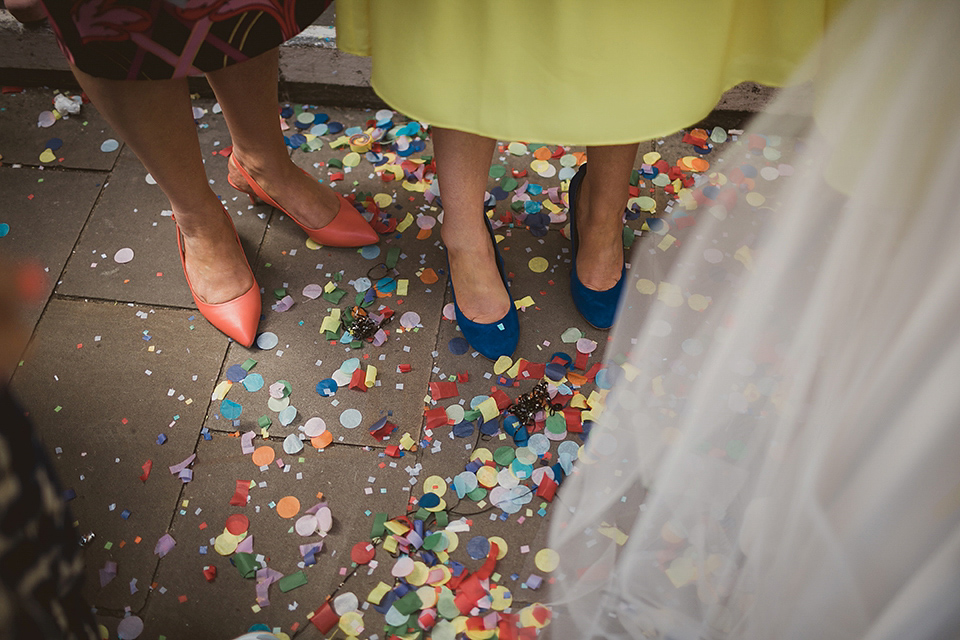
x,y
161,438
230,409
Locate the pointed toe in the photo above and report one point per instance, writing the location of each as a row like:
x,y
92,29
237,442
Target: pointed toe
x,y
237,318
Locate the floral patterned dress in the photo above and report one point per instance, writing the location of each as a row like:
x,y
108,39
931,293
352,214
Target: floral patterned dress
x,y
162,39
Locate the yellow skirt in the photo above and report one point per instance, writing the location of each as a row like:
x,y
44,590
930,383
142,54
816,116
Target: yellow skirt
x,y
583,72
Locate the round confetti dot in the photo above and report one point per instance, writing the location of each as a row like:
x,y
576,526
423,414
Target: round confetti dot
x,y
267,340
403,567
263,455
288,506
370,251
351,418
314,427
646,203
660,328
502,364
646,287
504,455
409,320
362,284
463,429
123,256
487,476
149,179
313,291
426,222
555,371
547,560
525,455
713,256
458,346
501,546
455,413
769,173
236,373
109,145
129,628
435,484
478,547
500,597
362,553
327,387
507,478
322,441
47,156
46,119
292,444
253,382
226,543
604,380
428,501
586,345
538,444
287,415
306,525
278,404
237,524
755,199
517,148
351,624
230,409
324,519
4,229
538,264
698,302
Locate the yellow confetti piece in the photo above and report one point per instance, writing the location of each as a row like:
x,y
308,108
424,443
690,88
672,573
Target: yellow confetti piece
x,y
487,477
405,223
488,409
376,594
352,159
578,401
330,287
630,371
407,442
698,302
517,148
331,322
312,244
744,257
396,527
681,572
47,156
500,598
524,302
403,286
390,544
370,380
435,484
502,364
670,294
547,560
351,623
657,386
646,286
538,264
755,199
501,546
514,371
651,157
420,187
666,243
220,392
383,200
613,533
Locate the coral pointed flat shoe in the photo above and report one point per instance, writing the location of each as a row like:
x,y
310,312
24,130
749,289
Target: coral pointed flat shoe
x,y
237,318
598,308
347,229
497,338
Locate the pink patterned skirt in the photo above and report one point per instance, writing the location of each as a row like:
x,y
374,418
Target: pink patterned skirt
x,y
162,39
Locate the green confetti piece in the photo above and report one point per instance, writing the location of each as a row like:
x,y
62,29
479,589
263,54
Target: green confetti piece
x,y
497,171
510,184
245,563
108,546
264,422
393,255
335,163
408,603
628,237
442,518
378,530
250,363
334,296
292,581
279,293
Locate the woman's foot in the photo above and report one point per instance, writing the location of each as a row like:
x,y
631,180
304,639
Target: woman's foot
x,y
313,204
600,238
215,263
480,293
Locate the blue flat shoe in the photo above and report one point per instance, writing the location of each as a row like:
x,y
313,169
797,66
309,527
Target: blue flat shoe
x,y
598,308
498,338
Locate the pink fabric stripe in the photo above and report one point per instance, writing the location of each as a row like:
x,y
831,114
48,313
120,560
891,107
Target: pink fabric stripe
x,y
199,33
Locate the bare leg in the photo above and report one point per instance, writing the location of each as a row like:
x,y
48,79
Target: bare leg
x,y
600,204
247,93
463,162
155,118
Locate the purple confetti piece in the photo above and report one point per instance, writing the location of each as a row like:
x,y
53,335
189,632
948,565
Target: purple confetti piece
x,y
246,545
133,586
246,442
186,475
265,578
107,573
164,545
177,468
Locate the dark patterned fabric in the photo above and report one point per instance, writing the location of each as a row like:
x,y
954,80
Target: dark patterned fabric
x,y
161,39
41,566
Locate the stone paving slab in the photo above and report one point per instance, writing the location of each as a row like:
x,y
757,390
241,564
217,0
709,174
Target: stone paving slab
x,y
339,473
44,212
80,136
100,394
135,214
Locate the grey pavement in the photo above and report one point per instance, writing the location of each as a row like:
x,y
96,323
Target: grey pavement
x,y
122,371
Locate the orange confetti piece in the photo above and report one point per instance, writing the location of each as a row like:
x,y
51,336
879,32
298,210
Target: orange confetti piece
x,y
428,276
322,441
543,153
288,507
263,455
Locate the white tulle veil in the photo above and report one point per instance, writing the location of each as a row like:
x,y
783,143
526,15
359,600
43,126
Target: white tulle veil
x,y
780,456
